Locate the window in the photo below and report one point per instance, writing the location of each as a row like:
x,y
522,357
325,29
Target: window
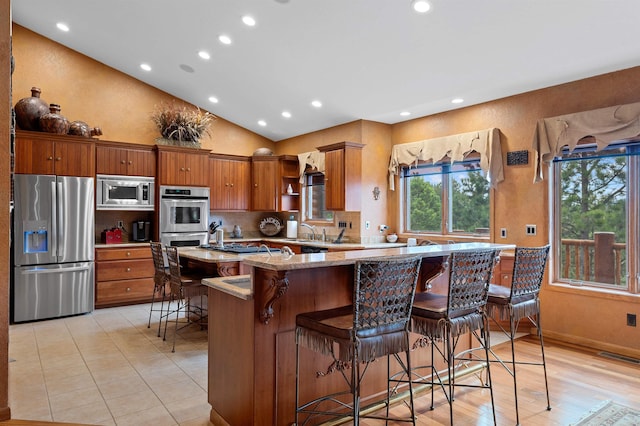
x,y
596,205
446,198
314,205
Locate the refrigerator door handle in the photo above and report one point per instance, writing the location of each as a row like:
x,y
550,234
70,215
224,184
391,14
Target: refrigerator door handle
x,y
53,242
61,219
55,270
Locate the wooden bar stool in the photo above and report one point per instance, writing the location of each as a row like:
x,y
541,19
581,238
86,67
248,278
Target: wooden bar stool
x,y
183,290
444,319
375,325
520,302
160,281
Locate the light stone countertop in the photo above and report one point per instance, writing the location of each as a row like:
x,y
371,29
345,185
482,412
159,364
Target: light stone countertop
x,y
239,286
117,245
280,262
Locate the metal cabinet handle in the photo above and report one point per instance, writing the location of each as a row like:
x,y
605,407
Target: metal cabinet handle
x,y
128,269
130,162
188,169
128,288
49,158
182,169
122,161
128,253
231,185
58,158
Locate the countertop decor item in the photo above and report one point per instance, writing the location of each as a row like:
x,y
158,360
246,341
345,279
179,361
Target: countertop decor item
x,y
29,110
270,226
54,122
262,151
181,125
392,238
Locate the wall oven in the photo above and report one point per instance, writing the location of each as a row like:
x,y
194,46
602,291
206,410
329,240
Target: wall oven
x,y
124,192
184,215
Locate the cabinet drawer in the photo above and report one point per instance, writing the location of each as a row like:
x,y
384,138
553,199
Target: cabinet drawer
x,y
124,269
124,291
122,253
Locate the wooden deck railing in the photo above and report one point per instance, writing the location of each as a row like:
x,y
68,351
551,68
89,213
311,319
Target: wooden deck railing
x,y
599,260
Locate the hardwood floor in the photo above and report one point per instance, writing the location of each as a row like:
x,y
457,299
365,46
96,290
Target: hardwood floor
x,y
579,380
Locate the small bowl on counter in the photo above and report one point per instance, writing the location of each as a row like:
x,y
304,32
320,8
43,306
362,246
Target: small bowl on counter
x,y
392,238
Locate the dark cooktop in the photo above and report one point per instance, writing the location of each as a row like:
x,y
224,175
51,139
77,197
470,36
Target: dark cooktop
x,y
240,248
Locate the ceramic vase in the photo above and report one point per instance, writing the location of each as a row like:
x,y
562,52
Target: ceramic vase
x,y
53,122
29,110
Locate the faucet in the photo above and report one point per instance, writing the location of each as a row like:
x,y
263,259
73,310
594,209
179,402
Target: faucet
x,y
324,234
313,229
286,251
267,247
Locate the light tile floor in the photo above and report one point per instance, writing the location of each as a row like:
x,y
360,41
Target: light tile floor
x,y
108,368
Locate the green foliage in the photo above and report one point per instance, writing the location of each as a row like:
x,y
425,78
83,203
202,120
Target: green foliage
x,y
425,208
470,201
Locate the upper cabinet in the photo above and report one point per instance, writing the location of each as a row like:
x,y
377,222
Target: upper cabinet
x,y
343,176
182,166
229,182
264,186
51,154
115,158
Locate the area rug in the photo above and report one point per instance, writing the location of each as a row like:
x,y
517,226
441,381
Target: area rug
x,y
610,414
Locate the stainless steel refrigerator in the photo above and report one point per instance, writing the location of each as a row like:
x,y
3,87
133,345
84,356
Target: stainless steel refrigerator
x,y
53,247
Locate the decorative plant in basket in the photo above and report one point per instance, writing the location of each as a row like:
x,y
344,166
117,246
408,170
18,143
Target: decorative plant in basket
x,y
181,125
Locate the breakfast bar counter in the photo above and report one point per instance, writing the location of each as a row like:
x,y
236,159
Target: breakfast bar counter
x,y
251,374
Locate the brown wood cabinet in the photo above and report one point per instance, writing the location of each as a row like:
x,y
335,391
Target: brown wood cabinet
x,y
343,176
264,187
51,154
124,275
182,166
229,182
115,158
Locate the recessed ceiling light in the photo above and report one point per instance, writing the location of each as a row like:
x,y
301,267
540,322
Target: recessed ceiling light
x,y
316,104
420,6
405,113
213,99
224,39
262,123
457,101
145,67
204,55
62,27
286,114
248,20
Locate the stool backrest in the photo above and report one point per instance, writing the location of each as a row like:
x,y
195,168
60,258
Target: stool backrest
x,y
469,276
383,293
528,270
174,270
158,263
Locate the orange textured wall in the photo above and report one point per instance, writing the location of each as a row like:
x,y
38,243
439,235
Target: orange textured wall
x,y
119,104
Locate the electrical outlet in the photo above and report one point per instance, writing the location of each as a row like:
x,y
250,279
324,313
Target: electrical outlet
x,y
120,224
367,224
503,232
383,228
631,320
531,229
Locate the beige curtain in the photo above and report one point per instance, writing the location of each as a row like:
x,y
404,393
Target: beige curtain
x,y
315,159
456,147
605,125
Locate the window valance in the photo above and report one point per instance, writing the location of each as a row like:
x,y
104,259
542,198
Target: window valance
x,y
315,159
484,142
605,125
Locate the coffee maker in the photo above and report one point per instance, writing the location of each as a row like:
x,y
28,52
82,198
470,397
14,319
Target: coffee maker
x,y
141,230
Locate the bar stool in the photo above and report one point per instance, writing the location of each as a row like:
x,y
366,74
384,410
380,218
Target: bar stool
x,y
520,302
160,280
440,318
183,290
375,325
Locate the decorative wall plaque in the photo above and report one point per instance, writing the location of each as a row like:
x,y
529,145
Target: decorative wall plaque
x,y
516,158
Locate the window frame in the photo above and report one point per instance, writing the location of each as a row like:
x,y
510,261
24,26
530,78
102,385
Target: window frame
x,y
632,208
445,214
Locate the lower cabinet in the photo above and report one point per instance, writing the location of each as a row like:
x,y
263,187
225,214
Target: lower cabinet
x,y
124,275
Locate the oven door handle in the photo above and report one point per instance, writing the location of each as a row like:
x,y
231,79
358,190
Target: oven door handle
x,y
184,200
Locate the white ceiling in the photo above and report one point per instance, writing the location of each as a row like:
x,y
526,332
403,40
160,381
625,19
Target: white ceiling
x,y
364,59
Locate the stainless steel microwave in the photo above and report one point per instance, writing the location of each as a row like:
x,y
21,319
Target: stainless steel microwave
x,y
124,192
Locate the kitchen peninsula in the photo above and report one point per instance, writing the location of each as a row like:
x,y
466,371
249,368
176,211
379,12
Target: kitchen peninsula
x,y
252,329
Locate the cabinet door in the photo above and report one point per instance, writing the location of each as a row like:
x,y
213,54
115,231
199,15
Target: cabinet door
x,y
75,158
111,160
170,164
34,156
195,169
140,162
239,178
218,184
334,180
264,175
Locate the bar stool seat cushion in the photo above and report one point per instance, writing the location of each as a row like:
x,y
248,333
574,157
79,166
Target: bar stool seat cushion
x,y
319,330
500,301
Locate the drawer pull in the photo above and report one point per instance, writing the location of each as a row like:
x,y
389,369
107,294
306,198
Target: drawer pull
x,y
128,288
128,253
128,269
